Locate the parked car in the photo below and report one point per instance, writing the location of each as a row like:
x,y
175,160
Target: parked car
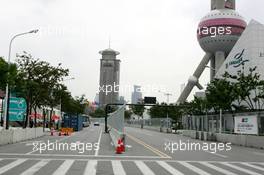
x,y
96,124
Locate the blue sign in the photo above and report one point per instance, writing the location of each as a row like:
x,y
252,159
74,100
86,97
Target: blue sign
x,y
17,109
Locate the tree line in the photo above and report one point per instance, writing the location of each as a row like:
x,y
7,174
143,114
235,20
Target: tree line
x,y
40,84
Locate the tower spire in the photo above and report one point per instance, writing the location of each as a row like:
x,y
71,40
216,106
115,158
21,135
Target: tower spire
x,y
109,42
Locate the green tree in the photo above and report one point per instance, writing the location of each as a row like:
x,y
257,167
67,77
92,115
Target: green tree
x,y
98,113
4,76
39,82
128,114
138,110
220,94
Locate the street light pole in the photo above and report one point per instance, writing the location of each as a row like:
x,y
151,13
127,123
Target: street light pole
x,y
7,96
168,101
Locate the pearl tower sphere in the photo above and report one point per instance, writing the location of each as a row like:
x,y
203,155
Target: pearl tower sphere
x,y
218,32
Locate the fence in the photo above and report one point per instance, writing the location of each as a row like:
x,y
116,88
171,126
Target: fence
x,y
212,123
115,124
160,124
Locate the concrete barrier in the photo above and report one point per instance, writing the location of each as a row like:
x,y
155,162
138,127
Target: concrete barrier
x,y
209,136
190,133
242,140
17,135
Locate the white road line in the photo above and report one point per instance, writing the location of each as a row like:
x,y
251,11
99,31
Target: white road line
x,y
194,168
221,170
253,166
143,168
90,167
99,141
11,165
240,168
32,170
81,155
64,167
169,168
118,168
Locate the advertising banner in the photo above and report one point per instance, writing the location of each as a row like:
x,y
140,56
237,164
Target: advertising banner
x,y
246,125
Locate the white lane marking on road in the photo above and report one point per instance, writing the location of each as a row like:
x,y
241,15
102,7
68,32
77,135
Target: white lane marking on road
x,y
253,166
81,155
221,170
143,168
11,165
90,167
240,168
216,154
99,142
169,168
194,168
32,170
118,168
64,167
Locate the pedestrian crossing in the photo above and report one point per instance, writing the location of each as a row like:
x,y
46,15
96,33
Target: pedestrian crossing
x,y
127,167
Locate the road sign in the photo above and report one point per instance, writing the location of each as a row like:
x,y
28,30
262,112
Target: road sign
x,y
17,109
150,100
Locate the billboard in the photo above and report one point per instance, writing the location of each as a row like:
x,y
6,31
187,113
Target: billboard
x,y
246,125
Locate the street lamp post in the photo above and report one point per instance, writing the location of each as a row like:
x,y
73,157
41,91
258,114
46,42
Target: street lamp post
x,y
7,96
168,101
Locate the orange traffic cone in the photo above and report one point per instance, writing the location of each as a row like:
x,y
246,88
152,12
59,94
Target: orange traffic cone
x,y
119,147
122,145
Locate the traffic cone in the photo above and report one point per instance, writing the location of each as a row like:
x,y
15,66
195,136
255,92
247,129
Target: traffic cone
x,y
122,145
118,148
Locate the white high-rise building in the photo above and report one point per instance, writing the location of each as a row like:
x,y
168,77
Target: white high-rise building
x,y
136,95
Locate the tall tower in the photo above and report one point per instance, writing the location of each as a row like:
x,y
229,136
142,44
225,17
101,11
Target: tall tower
x,y
217,34
109,77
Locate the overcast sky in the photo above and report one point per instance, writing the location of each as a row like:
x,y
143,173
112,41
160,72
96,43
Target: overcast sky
x,y
156,38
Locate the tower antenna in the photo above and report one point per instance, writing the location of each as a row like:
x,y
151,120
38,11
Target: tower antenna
x,y
109,42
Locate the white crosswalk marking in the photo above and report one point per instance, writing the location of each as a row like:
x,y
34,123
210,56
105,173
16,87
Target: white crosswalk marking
x,y
240,168
253,166
35,167
169,168
11,165
221,170
65,166
143,168
90,167
194,168
118,168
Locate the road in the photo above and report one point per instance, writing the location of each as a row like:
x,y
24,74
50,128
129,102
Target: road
x,y
147,152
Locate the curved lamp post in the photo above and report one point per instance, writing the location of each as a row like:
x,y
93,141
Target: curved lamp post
x,y
7,99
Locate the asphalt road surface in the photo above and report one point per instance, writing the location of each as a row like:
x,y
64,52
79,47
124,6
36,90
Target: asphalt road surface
x,y
90,152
